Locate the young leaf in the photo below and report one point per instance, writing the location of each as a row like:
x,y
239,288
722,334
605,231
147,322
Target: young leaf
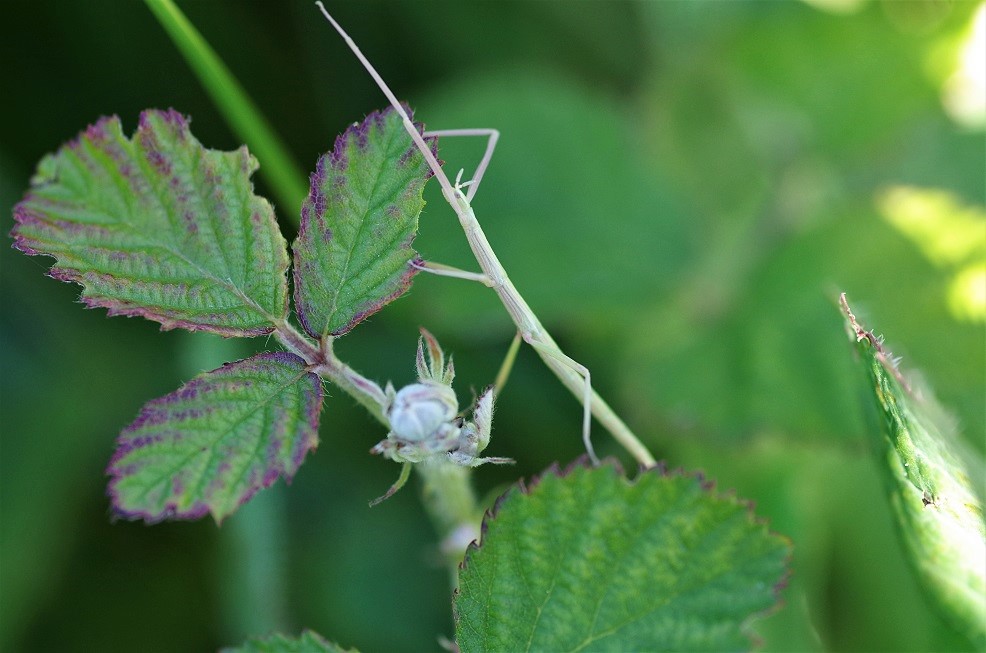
x,y
353,253
213,443
158,226
307,642
938,508
587,560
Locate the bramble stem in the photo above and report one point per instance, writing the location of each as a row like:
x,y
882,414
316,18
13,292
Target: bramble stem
x,y
297,343
449,498
448,494
326,364
362,389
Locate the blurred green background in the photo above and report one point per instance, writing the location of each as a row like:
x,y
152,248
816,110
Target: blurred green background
x,y
681,190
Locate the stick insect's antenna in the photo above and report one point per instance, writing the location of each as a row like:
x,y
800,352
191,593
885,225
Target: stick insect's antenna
x,y
436,168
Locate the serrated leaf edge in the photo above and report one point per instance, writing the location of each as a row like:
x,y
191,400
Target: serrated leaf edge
x,y
117,307
277,637
315,204
661,469
170,512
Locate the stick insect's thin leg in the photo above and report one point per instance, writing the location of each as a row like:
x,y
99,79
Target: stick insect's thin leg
x,y
449,271
493,136
556,354
507,365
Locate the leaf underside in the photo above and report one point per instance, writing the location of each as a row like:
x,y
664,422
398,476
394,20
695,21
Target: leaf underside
x,y
158,226
353,253
213,443
307,642
932,481
586,560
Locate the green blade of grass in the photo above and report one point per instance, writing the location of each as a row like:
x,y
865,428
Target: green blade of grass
x,y
284,176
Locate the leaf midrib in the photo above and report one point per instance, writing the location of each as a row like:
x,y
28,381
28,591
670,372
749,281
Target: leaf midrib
x,y
218,438
133,229
359,231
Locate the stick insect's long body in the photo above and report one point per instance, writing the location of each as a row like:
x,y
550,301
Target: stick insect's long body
x,y
572,374
534,333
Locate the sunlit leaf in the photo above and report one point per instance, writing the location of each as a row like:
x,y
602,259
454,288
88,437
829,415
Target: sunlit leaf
x,y
933,493
353,254
587,560
160,227
213,443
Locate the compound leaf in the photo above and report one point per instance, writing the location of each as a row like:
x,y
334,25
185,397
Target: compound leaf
x,y
353,254
213,443
932,492
160,227
587,560
307,642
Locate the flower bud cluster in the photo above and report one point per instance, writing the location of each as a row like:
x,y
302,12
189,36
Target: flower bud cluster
x,y
424,419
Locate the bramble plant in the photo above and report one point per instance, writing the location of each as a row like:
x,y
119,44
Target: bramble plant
x,y
156,225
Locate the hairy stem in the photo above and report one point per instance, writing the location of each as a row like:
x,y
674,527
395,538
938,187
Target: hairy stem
x,y
326,364
448,494
368,393
297,343
449,498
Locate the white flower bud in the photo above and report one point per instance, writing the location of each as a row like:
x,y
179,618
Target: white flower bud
x,y
420,409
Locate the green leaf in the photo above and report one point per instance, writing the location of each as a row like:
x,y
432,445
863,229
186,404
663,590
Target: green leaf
x,y
587,560
217,440
353,253
160,227
307,642
933,483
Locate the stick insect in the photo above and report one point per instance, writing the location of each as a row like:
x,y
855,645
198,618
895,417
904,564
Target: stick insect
x,y
573,375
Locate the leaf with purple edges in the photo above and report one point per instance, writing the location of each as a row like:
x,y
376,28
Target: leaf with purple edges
x,y
160,227
213,443
353,254
586,560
